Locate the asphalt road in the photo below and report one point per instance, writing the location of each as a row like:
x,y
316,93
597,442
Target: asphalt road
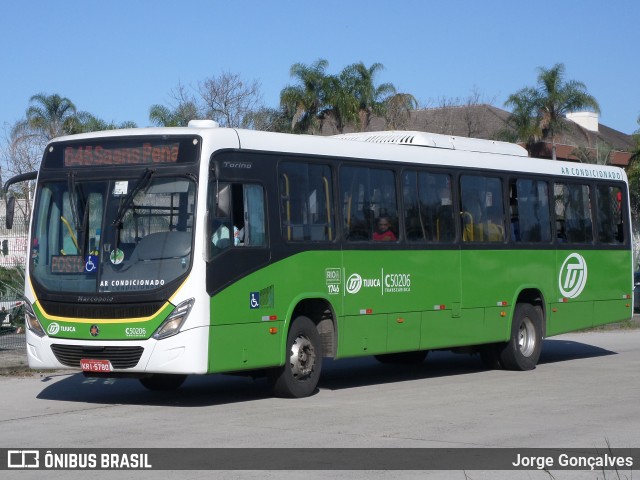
x,y
584,393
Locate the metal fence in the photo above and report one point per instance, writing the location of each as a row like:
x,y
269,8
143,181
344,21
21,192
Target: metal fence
x,y
13,258
12,338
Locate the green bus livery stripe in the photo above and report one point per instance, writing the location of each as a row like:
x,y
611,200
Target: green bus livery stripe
x,y
102,329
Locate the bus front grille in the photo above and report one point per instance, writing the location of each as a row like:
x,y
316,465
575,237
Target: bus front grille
x,y
120,357
101,311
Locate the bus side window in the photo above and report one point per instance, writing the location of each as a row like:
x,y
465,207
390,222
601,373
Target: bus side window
x,y
529,211
252,223
236,217
610,225
306,204
220,217
573,213
482,209
367,195
428,207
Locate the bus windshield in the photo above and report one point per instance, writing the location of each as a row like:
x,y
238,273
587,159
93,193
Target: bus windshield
x,y
121,235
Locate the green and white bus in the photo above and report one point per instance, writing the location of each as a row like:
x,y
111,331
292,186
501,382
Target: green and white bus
x,y
162,252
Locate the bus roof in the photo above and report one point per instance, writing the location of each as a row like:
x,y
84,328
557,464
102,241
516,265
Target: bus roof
x,y
393,146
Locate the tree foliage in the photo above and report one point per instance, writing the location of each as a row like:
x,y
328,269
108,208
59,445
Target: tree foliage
x,y
548,103
350,98
633,174
51,115
46,117
600,155
306,103
226,98
398,110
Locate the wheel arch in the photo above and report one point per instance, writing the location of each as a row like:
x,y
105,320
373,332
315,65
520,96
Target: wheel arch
x,y
322,314
535,297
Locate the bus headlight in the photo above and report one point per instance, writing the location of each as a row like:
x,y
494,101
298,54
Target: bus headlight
x,y
32,320
174,322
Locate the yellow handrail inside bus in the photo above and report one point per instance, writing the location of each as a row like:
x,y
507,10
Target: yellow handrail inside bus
x,y
73,237
288,200
495,232
467,233
328,200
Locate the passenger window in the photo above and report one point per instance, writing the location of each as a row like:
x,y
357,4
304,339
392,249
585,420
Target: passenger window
x,y
529,211
306,205
236,215
428,204
482,214
573,213
610,223
368,202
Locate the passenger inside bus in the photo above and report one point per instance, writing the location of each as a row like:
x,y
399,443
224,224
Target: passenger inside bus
x,y
384,233
221,236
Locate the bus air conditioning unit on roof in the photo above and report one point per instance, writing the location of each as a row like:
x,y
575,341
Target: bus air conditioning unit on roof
x,y
435,140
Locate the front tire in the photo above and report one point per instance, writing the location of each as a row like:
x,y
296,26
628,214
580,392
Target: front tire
x,y
299,375
523,349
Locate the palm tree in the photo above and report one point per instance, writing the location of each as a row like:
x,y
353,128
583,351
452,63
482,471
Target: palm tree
x,y
557,98
553,99
371,98
398,110
305,101
86,122
523,125
178,117
601,155
341,104
51,115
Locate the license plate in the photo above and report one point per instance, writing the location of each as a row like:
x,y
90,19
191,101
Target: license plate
x,y
89,365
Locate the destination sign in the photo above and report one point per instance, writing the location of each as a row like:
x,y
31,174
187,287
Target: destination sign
x,y
67,264
97,155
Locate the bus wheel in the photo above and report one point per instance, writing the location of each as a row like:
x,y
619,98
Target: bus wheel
x,y
163,381
299,375
403,357
522,351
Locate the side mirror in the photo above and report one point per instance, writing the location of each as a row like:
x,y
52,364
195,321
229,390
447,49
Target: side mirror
x,y
11,208
11,200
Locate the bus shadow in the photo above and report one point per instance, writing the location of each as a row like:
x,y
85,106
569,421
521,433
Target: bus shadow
x,y
197,391
559,350
211,390
351,373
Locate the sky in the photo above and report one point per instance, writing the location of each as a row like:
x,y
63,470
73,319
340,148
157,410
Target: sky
x,y
116,58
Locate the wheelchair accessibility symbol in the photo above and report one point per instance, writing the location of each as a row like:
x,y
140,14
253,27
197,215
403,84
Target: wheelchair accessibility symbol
x,y
254,300
91,263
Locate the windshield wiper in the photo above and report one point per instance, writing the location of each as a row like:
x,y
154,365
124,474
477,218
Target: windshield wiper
x,y
71,186
80,225
124,206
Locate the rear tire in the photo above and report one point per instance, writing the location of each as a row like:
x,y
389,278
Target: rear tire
x,y
522,351
163,381
415,357
299,375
